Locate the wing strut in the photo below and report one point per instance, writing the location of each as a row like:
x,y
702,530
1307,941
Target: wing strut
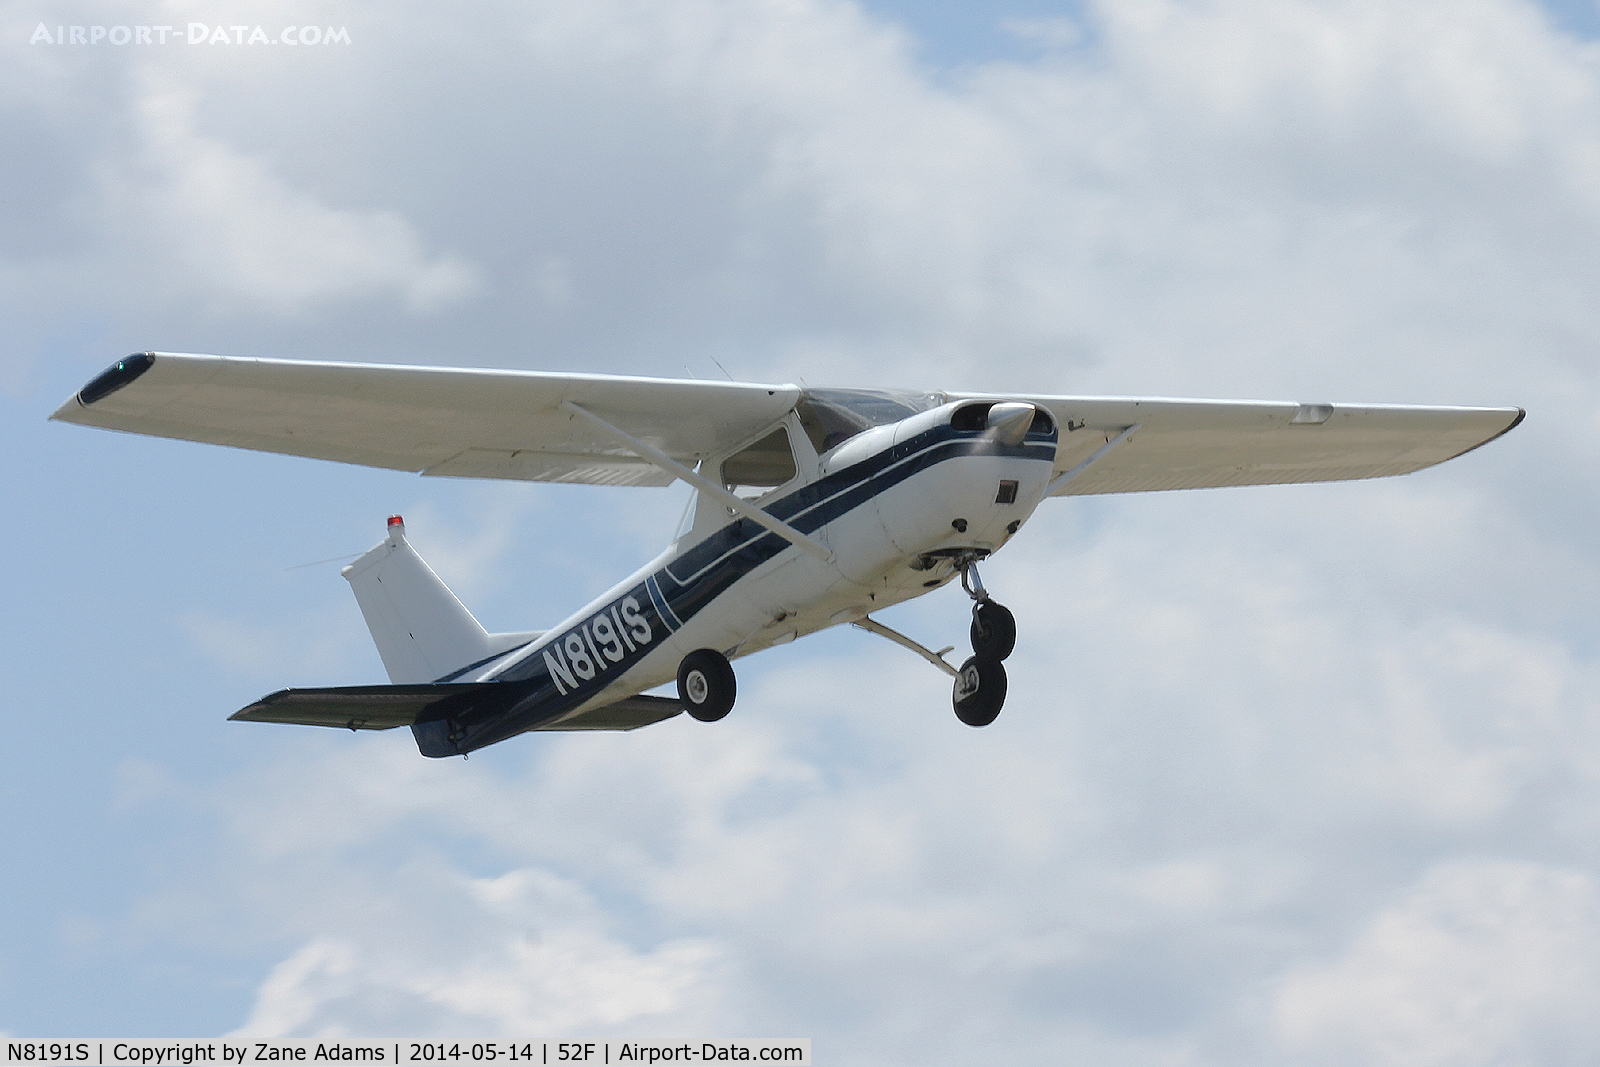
x,y
702,483
1100,453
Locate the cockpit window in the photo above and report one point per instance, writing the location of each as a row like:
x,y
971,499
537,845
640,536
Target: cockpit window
x,y
832,416
762,465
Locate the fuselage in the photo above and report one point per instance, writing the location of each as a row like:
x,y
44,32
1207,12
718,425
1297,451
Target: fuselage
x,y
896,504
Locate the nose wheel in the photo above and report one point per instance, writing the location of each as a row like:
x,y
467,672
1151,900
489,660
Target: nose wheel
x,y
979,691
980,686
994,630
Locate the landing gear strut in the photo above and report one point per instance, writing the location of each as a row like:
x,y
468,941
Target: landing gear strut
x,y
980,687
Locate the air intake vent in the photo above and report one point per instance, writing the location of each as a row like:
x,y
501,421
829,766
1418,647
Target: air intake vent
x,y
971,417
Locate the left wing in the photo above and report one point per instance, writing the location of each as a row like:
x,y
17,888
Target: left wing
x,y
433,420
1159,443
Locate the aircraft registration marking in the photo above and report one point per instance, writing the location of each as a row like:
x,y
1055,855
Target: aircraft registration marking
x,y
596,646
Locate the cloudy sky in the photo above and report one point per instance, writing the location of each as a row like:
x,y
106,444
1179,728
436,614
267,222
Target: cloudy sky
x,y
1299,775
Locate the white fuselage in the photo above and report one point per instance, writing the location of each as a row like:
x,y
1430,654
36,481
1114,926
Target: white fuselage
x,y
897,506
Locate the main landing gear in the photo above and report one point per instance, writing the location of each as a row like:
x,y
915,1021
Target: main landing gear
x,y
706,684
980,687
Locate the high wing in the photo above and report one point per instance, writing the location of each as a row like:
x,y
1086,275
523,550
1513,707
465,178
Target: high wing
x,y
512,424
1130,444
433,420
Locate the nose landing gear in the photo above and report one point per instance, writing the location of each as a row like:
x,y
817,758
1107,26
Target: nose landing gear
x,y
980,683
980,686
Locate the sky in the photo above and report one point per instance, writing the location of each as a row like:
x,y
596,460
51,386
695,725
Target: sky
x,y
1295,776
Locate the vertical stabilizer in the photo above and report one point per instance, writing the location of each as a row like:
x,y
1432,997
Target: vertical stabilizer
x,y
422,631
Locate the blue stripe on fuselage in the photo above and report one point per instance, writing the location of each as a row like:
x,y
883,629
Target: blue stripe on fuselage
x,y
660,603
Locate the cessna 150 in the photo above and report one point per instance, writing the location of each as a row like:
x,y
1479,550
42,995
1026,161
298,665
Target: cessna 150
x,y
815,507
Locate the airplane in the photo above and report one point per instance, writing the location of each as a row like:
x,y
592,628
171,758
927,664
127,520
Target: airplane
x,y
813,507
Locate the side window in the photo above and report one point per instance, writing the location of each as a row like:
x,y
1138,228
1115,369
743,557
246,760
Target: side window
x,y
767,463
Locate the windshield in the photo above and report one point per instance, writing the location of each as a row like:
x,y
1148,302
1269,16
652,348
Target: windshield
x,y
833,416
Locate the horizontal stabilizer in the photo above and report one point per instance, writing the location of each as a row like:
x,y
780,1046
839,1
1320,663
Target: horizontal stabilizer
x,y
366,707
627,714
383,707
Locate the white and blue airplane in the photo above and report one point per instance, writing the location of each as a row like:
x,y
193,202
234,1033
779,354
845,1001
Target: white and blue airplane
x,y
814,507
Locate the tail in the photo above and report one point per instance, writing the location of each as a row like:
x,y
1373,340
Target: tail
x,y
423,633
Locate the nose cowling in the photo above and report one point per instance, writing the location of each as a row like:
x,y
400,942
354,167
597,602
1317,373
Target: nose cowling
x,y
966,478
1008,422
981,489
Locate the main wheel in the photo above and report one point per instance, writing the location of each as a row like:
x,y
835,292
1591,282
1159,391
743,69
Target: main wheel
x,y
706,684
979,691
994,630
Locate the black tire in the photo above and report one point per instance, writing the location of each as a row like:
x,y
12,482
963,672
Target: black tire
x,y
706,684
994,630
979,691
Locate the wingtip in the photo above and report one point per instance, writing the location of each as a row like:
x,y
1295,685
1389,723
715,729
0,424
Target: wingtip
x,y
118,375
1522,413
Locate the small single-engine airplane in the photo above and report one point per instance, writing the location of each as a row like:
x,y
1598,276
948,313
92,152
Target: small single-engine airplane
x,y
814,507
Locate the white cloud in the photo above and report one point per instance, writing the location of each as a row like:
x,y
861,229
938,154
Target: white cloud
x,y
548,966
1483,962
247,236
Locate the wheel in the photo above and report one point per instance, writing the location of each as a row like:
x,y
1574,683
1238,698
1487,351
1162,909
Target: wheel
x,y
706,684
994,630
980,690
